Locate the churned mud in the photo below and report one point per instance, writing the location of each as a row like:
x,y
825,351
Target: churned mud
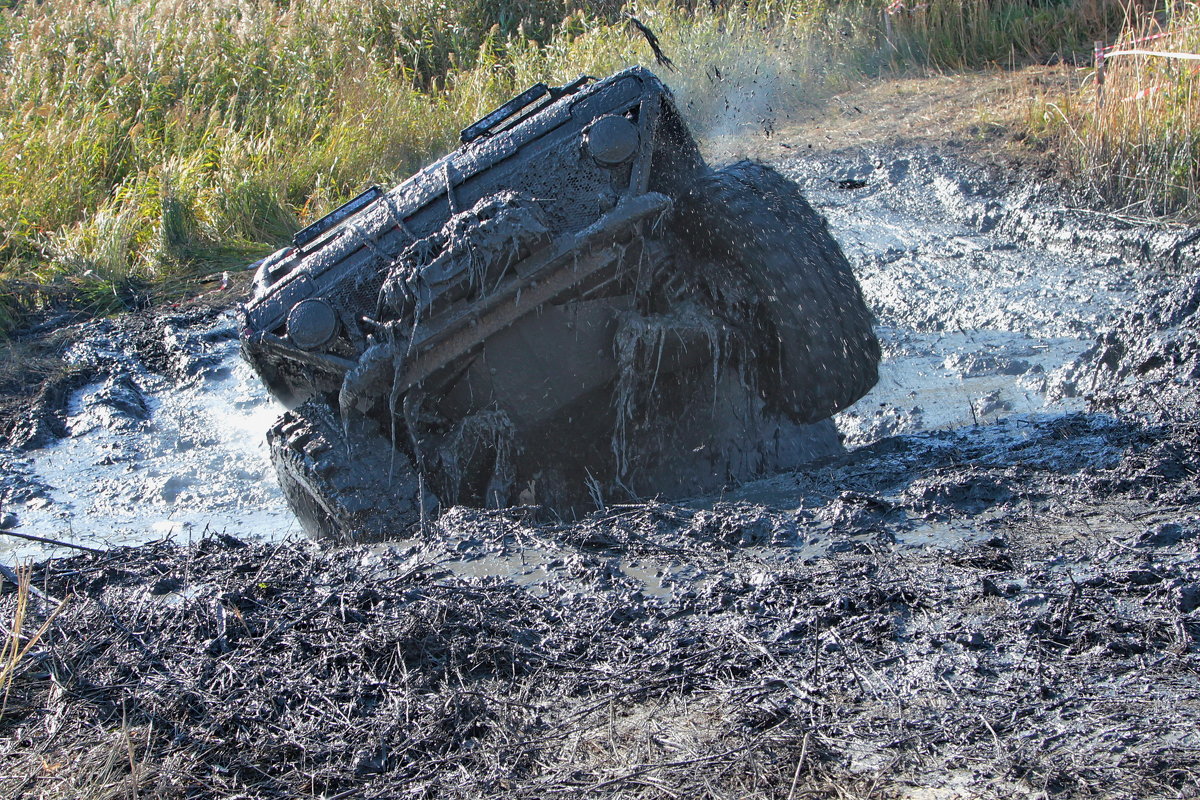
x,y
987,293
992,593
165,439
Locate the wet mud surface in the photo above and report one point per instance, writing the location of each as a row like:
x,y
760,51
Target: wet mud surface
x,y
991,301
992,593
164,438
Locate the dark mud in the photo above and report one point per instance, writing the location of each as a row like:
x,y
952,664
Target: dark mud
x,y
994,593
1148,363
36,384
64,353
659,650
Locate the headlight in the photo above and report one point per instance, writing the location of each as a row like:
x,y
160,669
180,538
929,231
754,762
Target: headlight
x,y
612,140
311,324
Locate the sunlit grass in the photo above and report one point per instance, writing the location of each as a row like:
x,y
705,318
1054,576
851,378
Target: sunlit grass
x,y
1135,140
963,33
145,140
19,641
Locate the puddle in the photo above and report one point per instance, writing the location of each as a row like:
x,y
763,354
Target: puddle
x,y
940,381
197,462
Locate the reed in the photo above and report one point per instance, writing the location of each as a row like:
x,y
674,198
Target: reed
x,y
146,143
1135,138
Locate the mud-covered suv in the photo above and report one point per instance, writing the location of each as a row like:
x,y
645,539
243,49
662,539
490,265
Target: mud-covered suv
x,y
571,308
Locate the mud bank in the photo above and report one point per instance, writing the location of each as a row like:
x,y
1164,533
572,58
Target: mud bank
x,y
987,290
659,650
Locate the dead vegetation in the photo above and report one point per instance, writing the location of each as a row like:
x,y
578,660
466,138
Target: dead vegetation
x,y
1055,658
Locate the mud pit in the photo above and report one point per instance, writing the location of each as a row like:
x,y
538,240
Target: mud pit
x,y
168,441
993,593
986,295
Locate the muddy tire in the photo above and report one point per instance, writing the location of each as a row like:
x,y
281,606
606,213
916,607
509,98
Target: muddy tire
x,y
343,488
752,226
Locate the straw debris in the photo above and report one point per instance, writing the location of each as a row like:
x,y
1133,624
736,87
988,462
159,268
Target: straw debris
x,y
655,650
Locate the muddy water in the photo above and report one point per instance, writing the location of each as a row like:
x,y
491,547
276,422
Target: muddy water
x,y
151,455
982,295
985,294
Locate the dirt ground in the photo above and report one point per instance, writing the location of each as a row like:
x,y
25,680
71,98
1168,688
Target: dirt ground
x,y
993,592
979,113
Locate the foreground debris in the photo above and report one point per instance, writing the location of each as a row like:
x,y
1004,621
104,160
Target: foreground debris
x,y
658,650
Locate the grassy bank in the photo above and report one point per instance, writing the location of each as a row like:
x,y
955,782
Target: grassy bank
x,y
144,143
1133,132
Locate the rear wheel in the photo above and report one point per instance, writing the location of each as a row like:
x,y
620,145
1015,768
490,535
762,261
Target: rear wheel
x,y
752,227
343,487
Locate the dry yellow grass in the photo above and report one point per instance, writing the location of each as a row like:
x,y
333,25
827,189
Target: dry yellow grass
x,y
1135,135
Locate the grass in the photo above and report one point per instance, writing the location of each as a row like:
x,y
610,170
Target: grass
x,y
966,33
145,141
1135,138
18,642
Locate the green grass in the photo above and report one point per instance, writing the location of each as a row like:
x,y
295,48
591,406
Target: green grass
x,y
145,141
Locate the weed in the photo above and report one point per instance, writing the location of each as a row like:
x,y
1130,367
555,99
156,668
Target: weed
x,y
17,644
1135,137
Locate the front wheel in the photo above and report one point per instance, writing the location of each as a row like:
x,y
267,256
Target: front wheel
x,y
749,225
344,486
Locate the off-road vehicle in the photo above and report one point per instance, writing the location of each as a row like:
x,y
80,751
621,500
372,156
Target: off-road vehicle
x,y
570,309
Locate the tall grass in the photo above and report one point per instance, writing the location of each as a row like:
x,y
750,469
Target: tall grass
x,y
141,140
964,33
1135,138
18,640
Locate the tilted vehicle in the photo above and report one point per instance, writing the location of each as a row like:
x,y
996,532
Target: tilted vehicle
x,y
571,308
